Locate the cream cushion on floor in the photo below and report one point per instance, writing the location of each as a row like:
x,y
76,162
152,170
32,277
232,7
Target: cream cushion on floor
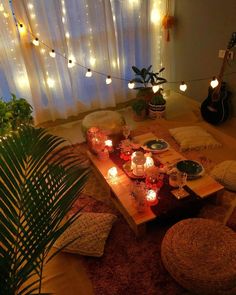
x,y
90,231
111,121
225,173
193,137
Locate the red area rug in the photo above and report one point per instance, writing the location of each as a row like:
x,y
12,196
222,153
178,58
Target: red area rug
x,y
129,266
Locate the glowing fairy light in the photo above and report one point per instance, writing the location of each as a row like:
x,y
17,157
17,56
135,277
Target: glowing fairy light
x,y
88,73
183,86
131,85
214,82
108,80
36,41
71,63
155,88
52,53
50,82
21,28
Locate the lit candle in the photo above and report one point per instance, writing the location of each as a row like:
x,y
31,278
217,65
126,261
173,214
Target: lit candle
x,y
112,173
151,197
108,144
149,162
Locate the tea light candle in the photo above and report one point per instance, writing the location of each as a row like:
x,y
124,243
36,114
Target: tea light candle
x,y
108,144
151,197
112,173
149,162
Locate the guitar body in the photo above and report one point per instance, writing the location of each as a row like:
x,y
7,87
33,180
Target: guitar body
x,y
216,111
215,108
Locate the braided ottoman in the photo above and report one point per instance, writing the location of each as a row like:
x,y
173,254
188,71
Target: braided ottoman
x,y
200,254
111,121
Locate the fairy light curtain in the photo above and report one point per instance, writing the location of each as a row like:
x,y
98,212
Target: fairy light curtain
x,y
107,36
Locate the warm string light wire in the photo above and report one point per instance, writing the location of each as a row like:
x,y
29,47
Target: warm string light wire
x,y
53,53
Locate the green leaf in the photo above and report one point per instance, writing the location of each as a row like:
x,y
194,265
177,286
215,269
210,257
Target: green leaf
x,y
39,183
136,70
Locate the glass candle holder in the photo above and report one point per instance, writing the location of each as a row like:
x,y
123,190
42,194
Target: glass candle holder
x,y
112,174
151,197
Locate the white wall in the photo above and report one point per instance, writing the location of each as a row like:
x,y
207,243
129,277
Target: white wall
x,y
202,28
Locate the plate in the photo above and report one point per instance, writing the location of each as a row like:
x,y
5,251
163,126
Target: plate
x,y
156,145
193,168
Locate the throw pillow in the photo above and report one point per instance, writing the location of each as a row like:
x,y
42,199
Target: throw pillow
x,y
91,231
193,137
225,173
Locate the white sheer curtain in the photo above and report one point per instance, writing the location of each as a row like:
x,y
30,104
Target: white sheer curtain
x,y
107,36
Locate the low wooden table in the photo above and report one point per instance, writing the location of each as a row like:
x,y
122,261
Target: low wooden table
x,y
120,192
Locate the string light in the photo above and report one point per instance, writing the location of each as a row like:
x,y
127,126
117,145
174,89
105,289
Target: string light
x,y
88,73
70,63
214,82
22,29
155,88
1,7
36,41
131,85
183,86
50,82
108,80
52,53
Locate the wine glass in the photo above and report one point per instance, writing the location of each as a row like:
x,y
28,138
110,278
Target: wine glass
x,y
182,180
126,131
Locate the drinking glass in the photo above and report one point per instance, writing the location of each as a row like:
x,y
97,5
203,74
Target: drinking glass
x,y
182,180
126,131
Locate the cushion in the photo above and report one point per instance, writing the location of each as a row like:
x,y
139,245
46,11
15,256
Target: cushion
x,y
193,137
91,231
111,121
225,173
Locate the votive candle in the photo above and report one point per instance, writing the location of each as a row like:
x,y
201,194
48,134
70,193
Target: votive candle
x,y
151,197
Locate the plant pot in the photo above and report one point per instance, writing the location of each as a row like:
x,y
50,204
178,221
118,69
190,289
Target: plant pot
x,y
156,111
139,117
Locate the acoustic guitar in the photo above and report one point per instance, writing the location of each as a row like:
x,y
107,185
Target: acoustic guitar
x,y
215,108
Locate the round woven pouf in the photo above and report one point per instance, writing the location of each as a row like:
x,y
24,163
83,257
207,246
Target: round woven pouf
x,y
110,121
200,254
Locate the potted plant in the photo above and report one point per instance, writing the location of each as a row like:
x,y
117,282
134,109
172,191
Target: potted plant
x,y
139,109
39,181
157,105
146,79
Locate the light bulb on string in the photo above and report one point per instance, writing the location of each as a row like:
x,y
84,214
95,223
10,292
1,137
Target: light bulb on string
x,y
70,63
183,86
108,80
21,28
88,73
36,41
52,53
131,85
1,7
214,82
155,88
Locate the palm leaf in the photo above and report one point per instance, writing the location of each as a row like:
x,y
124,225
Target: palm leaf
x,y
37,189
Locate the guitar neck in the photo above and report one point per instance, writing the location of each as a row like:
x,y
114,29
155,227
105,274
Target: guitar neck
x,y
220,76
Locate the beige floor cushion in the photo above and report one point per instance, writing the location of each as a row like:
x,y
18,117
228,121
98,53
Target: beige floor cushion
x,y
90,231
225,173
111,121
193,137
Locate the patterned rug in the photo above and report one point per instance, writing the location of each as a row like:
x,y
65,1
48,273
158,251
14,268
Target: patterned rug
x,y
129,266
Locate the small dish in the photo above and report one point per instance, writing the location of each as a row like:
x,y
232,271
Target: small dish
x,y
193,168
156,145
